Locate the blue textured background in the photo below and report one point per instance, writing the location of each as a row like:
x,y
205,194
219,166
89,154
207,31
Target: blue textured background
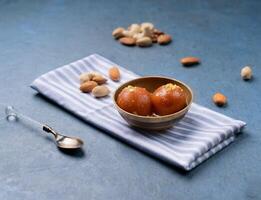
x,y
38,36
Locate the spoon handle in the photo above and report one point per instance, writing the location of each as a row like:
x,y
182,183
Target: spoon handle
x,y
13,115
49,129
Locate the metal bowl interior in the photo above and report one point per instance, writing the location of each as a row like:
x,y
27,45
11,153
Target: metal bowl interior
x,y
151,83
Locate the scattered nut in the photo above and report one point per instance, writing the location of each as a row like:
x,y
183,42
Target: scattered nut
x,y
128,41
127,33
85,77
154,38
99,79
91,80
157,32
134,28
148,25
219,99
187,61
118,33
114,73
88,86
137,36
93,74
144,42
136,32
147,32
100,91
164,39
88,76
246,73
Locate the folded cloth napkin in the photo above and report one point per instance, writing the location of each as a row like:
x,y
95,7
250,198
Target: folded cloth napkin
x,y
199,135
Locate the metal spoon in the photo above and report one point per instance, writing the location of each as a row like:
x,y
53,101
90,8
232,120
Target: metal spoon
x,y
62,141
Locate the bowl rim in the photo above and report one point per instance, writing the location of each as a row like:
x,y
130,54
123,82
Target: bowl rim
x,y
159,116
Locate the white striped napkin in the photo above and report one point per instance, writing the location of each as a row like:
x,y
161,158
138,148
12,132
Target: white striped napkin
x,y
199,135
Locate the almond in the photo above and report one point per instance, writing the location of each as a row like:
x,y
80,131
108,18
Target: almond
x,y
88,86
93,74
99,79
219,99
187,61
157,32
114,73
100,91
88,76
164,39
85,77
154,38
118,33
128,41
144,42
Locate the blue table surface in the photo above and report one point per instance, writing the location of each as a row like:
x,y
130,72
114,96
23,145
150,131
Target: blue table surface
x,y
38,36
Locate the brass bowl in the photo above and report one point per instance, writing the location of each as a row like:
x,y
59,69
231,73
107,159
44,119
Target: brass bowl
x,y
151,83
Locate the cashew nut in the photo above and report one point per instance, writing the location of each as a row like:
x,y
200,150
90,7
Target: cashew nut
x,y
246,73
148,25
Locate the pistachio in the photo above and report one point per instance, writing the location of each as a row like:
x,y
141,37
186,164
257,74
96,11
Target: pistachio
x,y
100,91
246,73
88,86
144,42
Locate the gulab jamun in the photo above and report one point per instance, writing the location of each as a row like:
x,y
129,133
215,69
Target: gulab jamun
x,y
135,100
168,99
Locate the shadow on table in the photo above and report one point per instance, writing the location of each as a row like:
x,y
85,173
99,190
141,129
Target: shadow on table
x,y
76,153
239,141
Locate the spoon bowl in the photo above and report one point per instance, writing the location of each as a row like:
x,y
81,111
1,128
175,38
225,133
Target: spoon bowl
x,y
66,142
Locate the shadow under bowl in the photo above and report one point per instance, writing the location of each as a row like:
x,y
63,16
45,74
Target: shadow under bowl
x,y
151,83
